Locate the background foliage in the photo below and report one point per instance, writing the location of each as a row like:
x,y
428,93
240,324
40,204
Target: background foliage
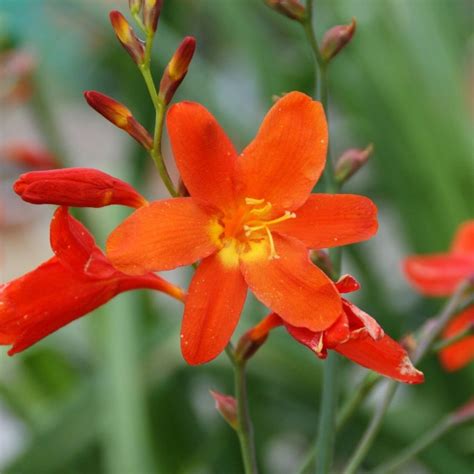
x,y
111,394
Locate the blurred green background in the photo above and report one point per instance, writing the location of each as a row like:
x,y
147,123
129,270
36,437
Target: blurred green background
x,y
111,393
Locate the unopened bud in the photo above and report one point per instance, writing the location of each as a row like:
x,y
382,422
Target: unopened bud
x,y
127,37
255,337
291,8
337,38
135,6
120,116
227,407
177,68
28,155
151,14
350,162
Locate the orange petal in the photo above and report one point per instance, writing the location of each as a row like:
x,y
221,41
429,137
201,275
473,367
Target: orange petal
x,y
161,236
204,154
288,154
212,310
384,356
347,284
330,220
464,239
438,275
292,286
460,353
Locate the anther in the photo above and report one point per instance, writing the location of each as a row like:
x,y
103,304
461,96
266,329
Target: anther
x,y
254,202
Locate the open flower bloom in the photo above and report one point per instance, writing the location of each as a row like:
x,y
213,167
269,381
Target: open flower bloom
x,y
251,220
355,335
78,279
440,275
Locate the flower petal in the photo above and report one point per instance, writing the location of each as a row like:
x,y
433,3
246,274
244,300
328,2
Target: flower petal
x,y
204,154
384,356
212,309
292,286
288,155
464,239
331,220
162,236
347,284
460,353
359,319
76,187
438,275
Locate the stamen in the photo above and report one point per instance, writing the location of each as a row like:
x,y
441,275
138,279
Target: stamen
x,y
273,254
263,210
253,202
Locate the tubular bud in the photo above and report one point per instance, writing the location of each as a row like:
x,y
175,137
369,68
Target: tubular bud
x,y
135,6
120,116
28,155
337,38
127,37
151,14
291,8
76,187
350,162
226,406
177,68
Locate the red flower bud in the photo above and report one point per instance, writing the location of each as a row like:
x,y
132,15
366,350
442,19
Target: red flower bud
x,y
226,406
30,156
135,6
127,37
151,14
177,69
77,187
291,8
350,162
336,38
120,116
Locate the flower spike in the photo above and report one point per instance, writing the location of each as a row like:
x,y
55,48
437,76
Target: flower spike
x,y
177,69
127,37
120,116
76,187
336,39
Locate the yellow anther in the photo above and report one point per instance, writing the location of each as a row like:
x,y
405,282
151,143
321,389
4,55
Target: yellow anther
x,y
254,202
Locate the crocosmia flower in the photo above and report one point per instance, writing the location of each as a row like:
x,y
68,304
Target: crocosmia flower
x,y
440,275
355,335
75,281
250,219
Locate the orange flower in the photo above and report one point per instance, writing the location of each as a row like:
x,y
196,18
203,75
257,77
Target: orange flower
x,y
78,279
251,220
355,335
439,275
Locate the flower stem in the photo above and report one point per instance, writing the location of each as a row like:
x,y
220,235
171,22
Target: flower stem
x,y
160,111
244,422
428,335
421,443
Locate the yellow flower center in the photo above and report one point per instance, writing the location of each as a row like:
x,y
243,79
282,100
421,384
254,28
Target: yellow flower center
x,y
247,230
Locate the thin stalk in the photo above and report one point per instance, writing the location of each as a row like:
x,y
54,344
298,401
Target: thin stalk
x,y
428,335
469,331
419,445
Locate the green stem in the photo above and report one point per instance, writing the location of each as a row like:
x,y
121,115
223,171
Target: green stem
x,y
428,335
419,445
469,331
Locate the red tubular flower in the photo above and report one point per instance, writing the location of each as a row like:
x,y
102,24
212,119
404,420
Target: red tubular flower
x,y
355,335
460,353
440,274
78,187
251,220
78,279
28,155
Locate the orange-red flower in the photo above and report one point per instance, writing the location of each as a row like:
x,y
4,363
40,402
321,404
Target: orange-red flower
x,y
355,335
251,220
440,275
78,279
